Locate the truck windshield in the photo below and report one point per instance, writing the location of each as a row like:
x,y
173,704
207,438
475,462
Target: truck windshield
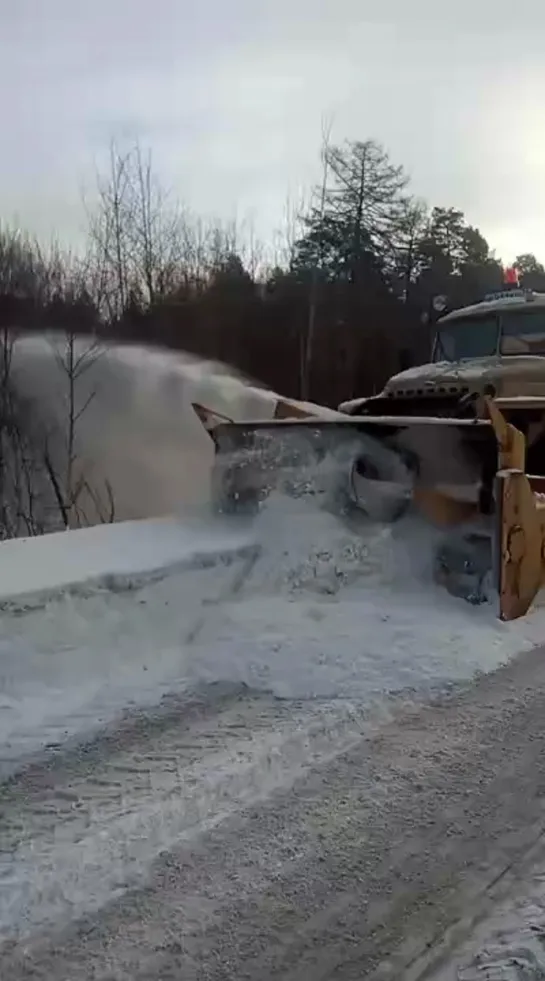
x,y
522,332
475,338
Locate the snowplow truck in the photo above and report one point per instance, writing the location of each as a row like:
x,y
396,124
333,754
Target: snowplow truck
x,y
459,443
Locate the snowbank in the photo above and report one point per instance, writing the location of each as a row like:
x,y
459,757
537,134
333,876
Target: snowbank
x,y
68,558
72,659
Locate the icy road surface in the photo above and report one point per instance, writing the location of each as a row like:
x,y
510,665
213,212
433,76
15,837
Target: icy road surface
x,y
255,754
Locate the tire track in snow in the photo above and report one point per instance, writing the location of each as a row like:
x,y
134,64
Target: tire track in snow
x,y
503,936
83,830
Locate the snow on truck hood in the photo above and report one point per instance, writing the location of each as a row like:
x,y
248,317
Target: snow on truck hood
x,y
467,372
439,370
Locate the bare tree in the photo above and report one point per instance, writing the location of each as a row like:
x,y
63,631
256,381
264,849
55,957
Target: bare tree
x,y
136,233
155,240
25,288
308,342
109,223
28,505
68,471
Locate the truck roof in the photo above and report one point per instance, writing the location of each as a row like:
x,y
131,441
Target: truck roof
x,y
495,302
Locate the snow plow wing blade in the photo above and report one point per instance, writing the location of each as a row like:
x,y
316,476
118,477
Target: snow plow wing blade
x,y
455,474
520,541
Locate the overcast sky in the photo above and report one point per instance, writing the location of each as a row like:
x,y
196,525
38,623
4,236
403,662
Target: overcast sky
x,y
230,96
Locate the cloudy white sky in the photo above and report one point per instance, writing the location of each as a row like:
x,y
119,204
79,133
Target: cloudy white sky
x,y
231,94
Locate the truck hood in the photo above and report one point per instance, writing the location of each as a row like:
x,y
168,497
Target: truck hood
x,y
507,374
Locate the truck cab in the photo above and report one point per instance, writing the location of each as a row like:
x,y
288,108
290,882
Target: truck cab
x,y
494,347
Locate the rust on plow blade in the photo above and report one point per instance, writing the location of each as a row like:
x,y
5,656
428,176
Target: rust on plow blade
x,y
465,476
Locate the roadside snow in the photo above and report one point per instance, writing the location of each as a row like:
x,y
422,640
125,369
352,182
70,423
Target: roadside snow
x,y
66,558
346,617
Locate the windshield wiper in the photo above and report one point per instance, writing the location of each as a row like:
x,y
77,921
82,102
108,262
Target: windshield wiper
x,y
440,348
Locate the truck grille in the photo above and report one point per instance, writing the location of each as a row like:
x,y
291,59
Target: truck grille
x,y
440,403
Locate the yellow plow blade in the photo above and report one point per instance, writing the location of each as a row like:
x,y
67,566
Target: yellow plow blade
x,y
519,541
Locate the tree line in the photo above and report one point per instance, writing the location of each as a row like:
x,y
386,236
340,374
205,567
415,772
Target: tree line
x,y
346,296
345,300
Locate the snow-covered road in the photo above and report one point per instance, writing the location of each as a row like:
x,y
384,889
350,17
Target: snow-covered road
x,y
161,679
